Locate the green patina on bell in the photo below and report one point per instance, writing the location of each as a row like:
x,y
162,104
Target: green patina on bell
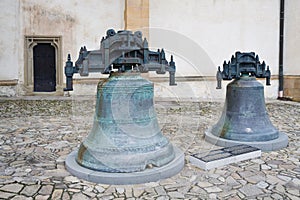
x,y
125,136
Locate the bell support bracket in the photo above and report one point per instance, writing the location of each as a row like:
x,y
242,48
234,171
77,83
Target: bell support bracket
x,y
243,64
121,51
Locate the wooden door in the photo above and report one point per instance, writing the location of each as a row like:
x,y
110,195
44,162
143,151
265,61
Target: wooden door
x,y
44,69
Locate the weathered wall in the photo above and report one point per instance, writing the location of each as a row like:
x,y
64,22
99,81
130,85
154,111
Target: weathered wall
x,y
200,33
214,30
78,22
9,40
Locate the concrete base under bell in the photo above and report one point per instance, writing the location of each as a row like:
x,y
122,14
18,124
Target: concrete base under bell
x,y
148,175
271,145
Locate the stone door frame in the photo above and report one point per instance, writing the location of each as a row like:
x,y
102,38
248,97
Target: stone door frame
x,y
32,41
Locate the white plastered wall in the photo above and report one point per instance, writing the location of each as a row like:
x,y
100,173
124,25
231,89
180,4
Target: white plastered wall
x,y
291,59
9,40
77,22
203,33
220,27
200,33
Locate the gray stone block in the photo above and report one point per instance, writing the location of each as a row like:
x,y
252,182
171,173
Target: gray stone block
x,y
220,157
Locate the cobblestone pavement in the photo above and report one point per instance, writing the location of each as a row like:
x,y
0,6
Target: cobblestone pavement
x,y
37,135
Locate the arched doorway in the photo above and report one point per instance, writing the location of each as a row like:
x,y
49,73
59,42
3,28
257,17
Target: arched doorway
x,y
44,68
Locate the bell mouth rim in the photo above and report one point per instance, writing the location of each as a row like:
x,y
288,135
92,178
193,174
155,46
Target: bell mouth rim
x,y
148,175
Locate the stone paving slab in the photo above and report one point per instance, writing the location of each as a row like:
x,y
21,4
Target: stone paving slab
x,y
37,134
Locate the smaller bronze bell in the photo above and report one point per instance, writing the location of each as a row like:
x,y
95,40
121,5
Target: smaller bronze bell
x,y
244,119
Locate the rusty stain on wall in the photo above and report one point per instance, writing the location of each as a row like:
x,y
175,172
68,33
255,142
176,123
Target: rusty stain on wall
x,y
45,20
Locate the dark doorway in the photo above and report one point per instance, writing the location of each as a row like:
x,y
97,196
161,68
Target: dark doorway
x,y
44,69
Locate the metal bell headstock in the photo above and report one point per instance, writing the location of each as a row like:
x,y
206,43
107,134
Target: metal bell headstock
x,y
243,64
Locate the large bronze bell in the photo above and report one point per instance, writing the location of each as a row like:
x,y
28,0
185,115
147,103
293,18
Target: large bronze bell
x,y
125,136
244,119
125,145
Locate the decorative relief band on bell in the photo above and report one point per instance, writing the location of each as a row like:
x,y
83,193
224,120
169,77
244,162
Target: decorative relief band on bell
x,y
126,121
147,90
131,149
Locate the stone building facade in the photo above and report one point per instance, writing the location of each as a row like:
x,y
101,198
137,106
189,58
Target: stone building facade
x,y
200,34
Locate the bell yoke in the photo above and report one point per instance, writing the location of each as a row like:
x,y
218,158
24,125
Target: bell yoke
x,y
121,52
